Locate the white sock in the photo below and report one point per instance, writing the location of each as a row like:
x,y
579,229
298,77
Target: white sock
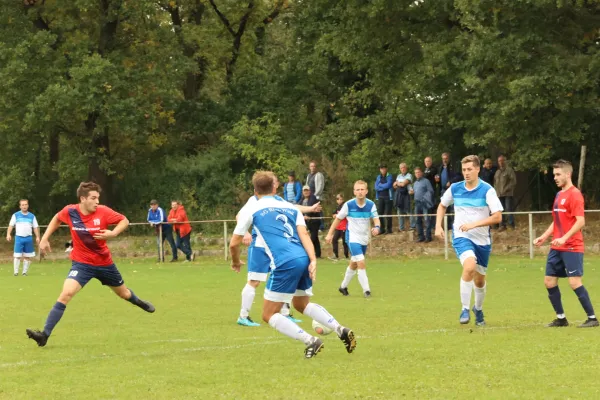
x,y
322,316
349,275
17,263
248,294
363,280
479,296
285,310
26,264
465,293
288,328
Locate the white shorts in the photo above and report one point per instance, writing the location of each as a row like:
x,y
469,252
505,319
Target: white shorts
x,y
471,254
257,276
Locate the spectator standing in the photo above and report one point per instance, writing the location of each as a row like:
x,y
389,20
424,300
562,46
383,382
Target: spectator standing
x,y
430,173
446,173
402,197
423,204
158,219
312,221
505,182
292,189
25,225
183,229
340,231
384,197
316,182
488,171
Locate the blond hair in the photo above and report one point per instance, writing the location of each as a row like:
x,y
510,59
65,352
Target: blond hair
x,y
471,159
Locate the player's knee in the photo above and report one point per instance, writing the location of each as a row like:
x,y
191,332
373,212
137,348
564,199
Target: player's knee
x,y
575,282
479,280
550,282
253,283
66,296
266,316
299,304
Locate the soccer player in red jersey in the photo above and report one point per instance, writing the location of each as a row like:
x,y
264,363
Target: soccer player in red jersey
x,y
90,257
565,259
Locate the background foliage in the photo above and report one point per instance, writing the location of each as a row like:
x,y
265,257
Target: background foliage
x,y
186,98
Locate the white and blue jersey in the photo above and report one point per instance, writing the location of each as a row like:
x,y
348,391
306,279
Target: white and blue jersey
x,y
472,206
275,225
359,226
24,225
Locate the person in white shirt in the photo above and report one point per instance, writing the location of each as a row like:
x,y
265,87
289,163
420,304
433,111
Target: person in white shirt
x,y
25,225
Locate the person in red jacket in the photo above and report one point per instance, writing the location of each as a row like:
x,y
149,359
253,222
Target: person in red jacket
x,y
340,231
182,228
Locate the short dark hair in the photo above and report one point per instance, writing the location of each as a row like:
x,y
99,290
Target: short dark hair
x,y
382,165
418,169
153,202
292,173
85,188
263,182
341,195
564,165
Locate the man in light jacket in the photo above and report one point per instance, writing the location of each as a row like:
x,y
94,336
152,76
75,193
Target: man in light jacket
x,y
158,219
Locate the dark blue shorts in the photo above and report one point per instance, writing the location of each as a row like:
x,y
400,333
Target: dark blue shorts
x,y
83,273
563,264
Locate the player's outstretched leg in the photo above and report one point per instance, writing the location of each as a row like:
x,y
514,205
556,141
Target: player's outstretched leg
x,y
322,316
70,289
272,315
127,294
248,294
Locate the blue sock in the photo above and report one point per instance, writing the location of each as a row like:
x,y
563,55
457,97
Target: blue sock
x,y
53,317
554,296
584,299
133,299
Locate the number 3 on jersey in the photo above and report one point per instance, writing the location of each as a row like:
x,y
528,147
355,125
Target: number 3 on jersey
x,y
289,230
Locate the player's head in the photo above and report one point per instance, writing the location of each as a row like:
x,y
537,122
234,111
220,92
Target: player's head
x,y
264,183
175,204
470,168
24,205
383,169
418,173
563,171
89,196
403,168
360,189
487,164
154,204
339,198
428,162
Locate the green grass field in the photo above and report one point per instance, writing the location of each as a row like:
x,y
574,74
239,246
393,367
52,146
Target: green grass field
x,y
410,344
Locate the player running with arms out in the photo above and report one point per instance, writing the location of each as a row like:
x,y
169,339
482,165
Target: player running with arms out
x,y
476,207
25,225
90,257
259,263
288,244
359,212
565,259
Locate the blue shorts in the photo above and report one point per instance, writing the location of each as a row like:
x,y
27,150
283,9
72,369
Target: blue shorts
x,y
24,246
259,264
357,251
563,264
83,273
465,249
289,280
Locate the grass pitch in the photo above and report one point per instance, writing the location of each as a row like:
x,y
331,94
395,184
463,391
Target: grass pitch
x,y
410,344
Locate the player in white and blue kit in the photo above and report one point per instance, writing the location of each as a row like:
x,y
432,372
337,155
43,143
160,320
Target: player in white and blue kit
x,y
359,212
25,225
259,263
294,265
476,208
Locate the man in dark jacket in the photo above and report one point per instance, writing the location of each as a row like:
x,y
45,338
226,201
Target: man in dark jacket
x,y
384,197
309,199
488,171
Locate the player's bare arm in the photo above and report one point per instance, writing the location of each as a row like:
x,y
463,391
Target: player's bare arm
x,y
8,233
37,235
376,229
52,227
493,219
441,212
334,225
234,250
541,239
106,234
309,209
579,223
310,250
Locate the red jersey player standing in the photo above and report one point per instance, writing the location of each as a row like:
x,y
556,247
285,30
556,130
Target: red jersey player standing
x,y
90,257
565,259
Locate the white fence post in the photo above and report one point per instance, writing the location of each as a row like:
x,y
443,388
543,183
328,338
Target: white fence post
x,y
225,240
161,254
531,236
445,237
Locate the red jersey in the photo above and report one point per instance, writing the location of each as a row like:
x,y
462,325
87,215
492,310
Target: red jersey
x,y
568,204
86,249
343,225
